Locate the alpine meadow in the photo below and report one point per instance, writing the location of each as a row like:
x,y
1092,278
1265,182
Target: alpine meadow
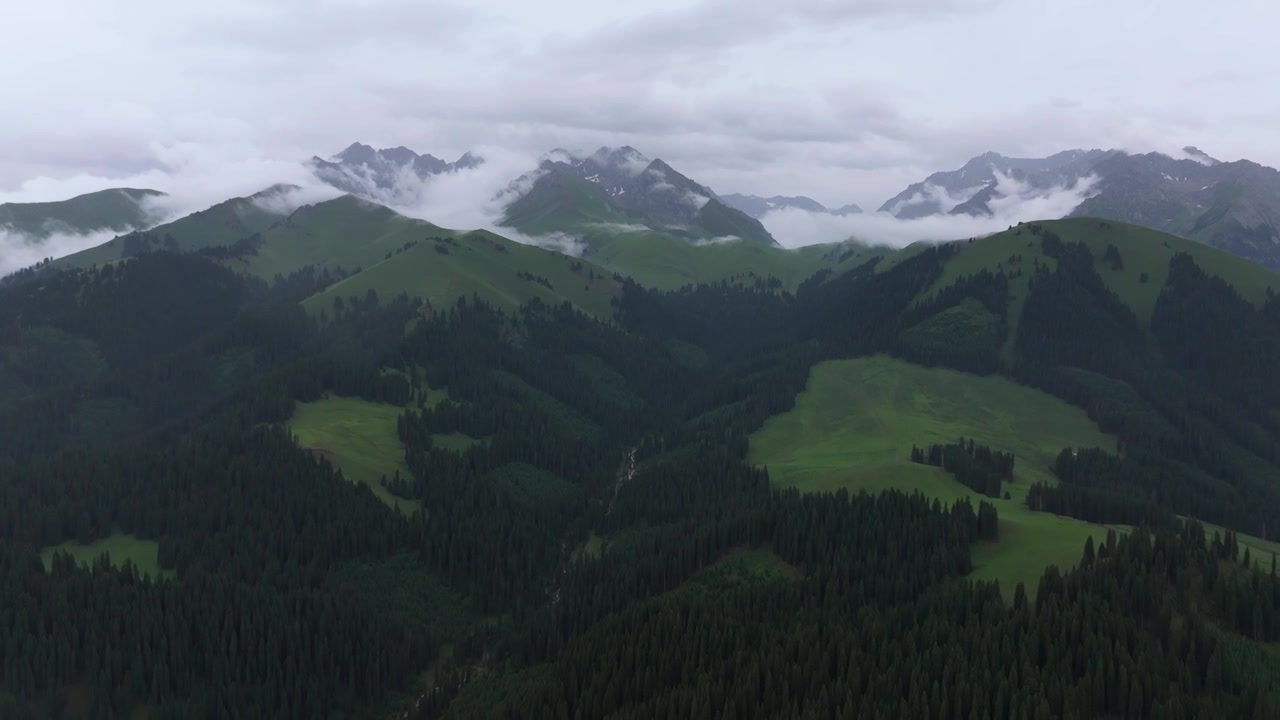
x,y
668,427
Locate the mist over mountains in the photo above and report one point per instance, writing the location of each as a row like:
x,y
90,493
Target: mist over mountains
x,y
757,207
1231,205
564,197
361,170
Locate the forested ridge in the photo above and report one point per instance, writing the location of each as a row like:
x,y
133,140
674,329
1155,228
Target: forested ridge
x,y
150,398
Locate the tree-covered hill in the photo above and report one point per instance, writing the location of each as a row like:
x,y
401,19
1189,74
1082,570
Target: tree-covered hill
x,y
602,544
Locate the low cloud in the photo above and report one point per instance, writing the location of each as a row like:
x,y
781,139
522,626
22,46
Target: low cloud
x,y
796,228
936,196
18,251
620,228
476,198
722,240
285,199
557,241
695,200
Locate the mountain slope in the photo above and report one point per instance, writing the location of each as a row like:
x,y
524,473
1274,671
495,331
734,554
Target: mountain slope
x,y
757,207
573,194
223,224
1137,275
346,233
1230,205
481,265
942,192
116,209
661,261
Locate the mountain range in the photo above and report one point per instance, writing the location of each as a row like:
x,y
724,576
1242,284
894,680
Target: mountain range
x,y
619,196
1231,205
362,170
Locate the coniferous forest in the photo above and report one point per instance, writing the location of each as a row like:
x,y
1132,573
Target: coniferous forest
x,y
151,397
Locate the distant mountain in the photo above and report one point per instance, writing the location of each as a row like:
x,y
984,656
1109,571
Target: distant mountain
x,y
362,170
117,209
622,187
757,207
949,191
1230,205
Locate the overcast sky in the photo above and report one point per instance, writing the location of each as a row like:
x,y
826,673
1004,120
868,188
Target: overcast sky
x,y
842,100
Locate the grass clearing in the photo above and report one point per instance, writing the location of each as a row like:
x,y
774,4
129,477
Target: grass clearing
x,y
1260,550
854,425
739,567
359,437
143,553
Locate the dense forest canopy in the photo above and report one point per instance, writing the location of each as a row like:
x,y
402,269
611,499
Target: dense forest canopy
x,y
596,544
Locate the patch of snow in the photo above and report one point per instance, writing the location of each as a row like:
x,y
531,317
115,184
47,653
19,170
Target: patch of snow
x,y
594,178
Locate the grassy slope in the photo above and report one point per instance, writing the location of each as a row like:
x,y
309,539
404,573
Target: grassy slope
x,y
484,264
561,203
656,260
361,436
143,553
345,232
222,224
854,425
112,209
1141,250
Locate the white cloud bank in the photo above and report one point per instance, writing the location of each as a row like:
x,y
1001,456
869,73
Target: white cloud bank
x,y
18,251
1019,202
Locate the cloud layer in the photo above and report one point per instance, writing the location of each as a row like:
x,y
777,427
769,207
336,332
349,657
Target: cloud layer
x,y
1019,202
843,101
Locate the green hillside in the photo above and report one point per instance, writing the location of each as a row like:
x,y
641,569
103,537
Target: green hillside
x,y
561,203
346,232
1137,278
855,423
113,209
499,271
220,225
657,260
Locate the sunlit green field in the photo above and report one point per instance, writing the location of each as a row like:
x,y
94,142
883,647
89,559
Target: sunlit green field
x,y
855,423
359,437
